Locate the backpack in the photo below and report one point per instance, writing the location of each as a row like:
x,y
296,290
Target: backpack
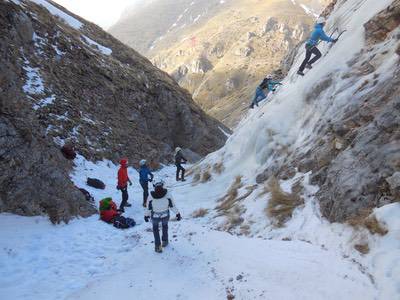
x,y
96,183
123,223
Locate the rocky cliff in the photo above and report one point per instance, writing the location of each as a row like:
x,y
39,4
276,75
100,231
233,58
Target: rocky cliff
x,y
218,50
64,80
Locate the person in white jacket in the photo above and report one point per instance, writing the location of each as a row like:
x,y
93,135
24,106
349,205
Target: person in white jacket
x,y
158,207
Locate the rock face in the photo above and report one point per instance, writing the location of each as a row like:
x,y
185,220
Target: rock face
x,y
378,28
65,81
242,40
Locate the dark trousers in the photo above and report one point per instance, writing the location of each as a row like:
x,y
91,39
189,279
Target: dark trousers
x,y
309,51
145,187
156,232
125,197
179,168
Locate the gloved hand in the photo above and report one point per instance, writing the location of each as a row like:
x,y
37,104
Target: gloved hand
x,y
118,188
178,217
335,40
130,183
146,219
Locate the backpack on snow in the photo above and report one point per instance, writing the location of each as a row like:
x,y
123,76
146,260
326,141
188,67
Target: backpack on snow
x,y
96,183
122,223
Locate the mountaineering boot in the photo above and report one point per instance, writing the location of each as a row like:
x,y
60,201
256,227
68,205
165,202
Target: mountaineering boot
x,y
128,204
308,66
300,73
144,203
158,249
164,244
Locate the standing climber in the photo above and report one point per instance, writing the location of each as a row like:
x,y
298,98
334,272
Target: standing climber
x,y
123,180
145,176
158,210
179,160
268,84
311,45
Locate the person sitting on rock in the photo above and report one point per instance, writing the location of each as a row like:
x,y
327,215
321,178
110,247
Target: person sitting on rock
x,y
268,84
123,180
179,160
160,203
311,45
145,176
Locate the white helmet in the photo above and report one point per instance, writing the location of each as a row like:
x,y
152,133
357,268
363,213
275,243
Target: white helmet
x,y
269,76
142,162
321,20
177,149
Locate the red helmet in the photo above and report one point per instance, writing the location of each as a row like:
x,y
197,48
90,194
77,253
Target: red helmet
x,y
124,162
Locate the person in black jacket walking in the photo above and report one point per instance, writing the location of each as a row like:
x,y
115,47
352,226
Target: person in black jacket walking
x,y
179,160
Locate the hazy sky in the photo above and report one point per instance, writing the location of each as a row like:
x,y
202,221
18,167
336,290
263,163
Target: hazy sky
x,y
102,12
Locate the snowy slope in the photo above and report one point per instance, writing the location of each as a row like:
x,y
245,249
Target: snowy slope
x,y
88,259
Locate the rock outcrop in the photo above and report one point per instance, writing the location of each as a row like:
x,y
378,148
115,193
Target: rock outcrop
x,y
65,81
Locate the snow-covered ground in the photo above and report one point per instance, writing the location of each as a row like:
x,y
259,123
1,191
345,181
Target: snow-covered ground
x,y
88,259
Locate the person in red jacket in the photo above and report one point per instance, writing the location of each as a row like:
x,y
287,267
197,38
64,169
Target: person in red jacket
x,y
123,180
108,210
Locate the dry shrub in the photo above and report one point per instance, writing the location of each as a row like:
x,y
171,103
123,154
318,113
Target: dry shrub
x,y
206,176
374,226
196,177
365,220
233,220
281,205
193,170
218,167
229,199
199,213
245,229
362,248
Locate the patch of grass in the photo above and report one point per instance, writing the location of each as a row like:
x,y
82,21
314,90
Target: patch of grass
x,y
362,248
218,167
373,225
229,199
281,204
196,177
206,176
365,219
200,213
245,229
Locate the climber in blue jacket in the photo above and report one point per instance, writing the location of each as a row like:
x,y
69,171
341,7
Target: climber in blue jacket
x,y
145,176
311,45
268,84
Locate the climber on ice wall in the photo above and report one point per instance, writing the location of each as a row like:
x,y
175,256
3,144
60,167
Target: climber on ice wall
x,y
268,84
311,45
